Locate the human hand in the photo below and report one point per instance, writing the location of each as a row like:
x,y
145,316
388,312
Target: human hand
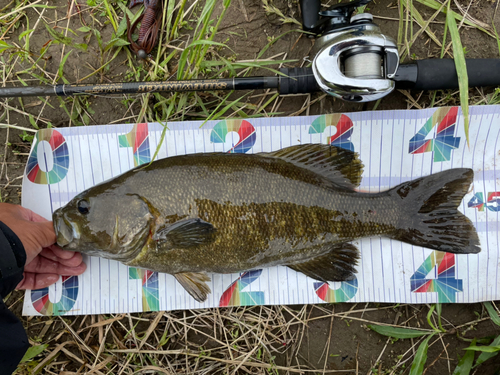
x,y
45,262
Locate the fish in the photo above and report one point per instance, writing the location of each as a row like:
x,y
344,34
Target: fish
x,y
195,214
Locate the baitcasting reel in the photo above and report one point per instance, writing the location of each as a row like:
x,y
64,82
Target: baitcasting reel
x,y
353,60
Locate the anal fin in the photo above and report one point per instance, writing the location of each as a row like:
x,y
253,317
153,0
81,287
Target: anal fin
x,y
195,284
337,265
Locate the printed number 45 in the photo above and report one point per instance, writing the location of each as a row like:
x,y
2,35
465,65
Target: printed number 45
x,y
492,203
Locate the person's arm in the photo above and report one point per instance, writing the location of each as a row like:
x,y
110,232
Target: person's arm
x,y
13,339
12,260
28,260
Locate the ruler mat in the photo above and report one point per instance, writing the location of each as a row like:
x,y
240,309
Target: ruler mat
x,y
394,146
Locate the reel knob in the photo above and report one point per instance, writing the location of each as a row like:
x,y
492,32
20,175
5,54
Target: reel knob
x,y
362,18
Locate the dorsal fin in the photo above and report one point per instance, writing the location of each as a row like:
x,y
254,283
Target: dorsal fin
x,y
337,164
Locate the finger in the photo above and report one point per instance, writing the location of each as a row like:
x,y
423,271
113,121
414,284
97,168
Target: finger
x,y
64,254
49,254
60,253
75,260
44,265
37,281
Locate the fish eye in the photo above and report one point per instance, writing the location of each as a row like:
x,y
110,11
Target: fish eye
x,y
83,207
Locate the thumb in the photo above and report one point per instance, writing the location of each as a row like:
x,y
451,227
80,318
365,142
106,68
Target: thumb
x,y
48,234
35,236
41,233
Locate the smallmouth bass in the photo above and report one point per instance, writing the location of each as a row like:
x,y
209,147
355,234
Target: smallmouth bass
x,y
222,213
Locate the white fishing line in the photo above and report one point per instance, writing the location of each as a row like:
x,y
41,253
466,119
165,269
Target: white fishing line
x,y
363,65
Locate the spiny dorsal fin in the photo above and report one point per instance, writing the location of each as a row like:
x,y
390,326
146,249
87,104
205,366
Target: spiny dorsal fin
x,y
337,265
339,165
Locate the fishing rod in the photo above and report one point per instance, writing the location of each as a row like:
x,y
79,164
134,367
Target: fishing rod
x,y
293,81
353,61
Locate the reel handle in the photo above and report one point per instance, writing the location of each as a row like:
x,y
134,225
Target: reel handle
x,y
310,14
324,22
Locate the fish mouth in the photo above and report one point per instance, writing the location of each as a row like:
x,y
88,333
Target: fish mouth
x,y
66,232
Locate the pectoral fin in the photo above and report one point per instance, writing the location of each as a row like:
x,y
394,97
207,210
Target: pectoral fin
x,y
337,265
195,284
186,233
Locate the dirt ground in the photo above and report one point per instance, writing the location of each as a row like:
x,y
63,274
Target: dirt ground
x,y
330,342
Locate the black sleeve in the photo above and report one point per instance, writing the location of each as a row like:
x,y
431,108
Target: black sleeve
x,y
13,339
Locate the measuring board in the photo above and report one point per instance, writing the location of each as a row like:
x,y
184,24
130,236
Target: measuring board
x,y
394,146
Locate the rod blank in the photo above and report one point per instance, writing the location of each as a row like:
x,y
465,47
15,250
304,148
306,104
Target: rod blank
x,y
292,81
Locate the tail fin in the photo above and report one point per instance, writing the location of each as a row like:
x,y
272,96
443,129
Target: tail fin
x,y
433,220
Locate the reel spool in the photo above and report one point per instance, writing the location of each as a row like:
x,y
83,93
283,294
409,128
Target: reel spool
x,y
364,63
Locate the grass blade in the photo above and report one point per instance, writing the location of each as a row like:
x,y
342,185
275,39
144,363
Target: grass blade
x,y
436,5
417,367
424,27
183,60
493,313
4,46
465,364
60,38
463,79
429,315
439,311
497,37
61,68
398,332
484,356
33,351
110,16
180,14
485,349
401,25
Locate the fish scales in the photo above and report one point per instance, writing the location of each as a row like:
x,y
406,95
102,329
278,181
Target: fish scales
x,y
237,194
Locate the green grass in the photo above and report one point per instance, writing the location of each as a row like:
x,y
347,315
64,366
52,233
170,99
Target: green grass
x,y
466,361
